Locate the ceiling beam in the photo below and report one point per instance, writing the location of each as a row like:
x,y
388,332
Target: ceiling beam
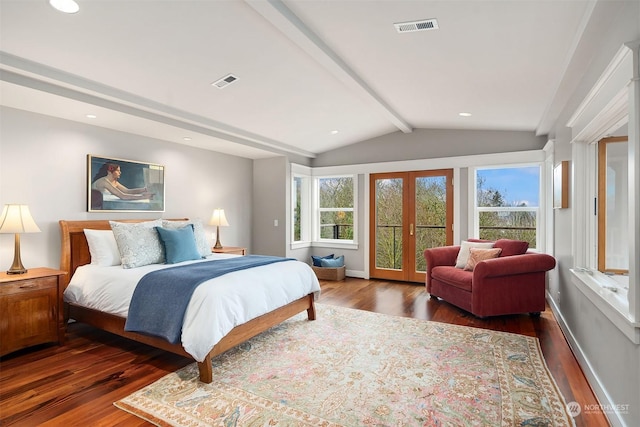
x,y
23,72
281,17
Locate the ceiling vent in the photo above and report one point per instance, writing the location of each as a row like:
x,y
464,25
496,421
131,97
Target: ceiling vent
x,y
422,25
225,81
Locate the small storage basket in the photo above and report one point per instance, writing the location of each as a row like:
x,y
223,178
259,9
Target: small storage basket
x,y
329,273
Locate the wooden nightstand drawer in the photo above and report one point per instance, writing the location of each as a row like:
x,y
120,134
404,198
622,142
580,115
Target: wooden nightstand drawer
x,y
29,285
230,250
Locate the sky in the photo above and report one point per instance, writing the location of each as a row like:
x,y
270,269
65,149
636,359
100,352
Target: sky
x,y
516,184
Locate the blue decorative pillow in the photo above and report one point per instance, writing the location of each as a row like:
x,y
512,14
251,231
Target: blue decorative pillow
x,y
179,244
335,262
317,259
202,242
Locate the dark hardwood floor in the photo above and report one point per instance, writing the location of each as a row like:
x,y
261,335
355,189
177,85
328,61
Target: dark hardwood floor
x,y
77,383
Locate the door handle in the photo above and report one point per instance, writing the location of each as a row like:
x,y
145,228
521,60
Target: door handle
x,y
411,229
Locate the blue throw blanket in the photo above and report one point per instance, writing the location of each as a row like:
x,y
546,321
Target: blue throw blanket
x,y
161,297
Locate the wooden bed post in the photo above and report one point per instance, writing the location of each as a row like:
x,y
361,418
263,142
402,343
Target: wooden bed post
x,y
311,311
206,370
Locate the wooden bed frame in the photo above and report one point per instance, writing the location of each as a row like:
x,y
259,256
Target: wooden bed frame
x,y
75,252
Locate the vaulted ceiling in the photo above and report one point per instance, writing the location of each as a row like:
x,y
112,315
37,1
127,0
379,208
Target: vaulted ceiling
x,y
310,76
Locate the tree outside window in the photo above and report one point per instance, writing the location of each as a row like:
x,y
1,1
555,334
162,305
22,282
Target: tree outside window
x,y
507,203
336,208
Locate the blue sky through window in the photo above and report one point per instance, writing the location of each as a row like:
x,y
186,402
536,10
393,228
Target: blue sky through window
x,y
517,185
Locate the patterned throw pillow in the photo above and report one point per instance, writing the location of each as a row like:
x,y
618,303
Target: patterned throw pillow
x,y
203,244
476,255
138,243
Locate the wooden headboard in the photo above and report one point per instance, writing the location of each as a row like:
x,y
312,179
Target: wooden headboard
x,y
75,250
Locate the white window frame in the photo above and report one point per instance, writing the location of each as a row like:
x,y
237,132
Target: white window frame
x,y
305,210
473,198
310,212
620,219
304,172
317,241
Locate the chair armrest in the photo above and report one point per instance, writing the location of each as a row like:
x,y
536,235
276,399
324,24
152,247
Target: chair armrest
x,y
515,264
444,255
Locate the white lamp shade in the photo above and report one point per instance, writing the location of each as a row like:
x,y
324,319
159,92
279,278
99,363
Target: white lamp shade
x,y
218,218
17,219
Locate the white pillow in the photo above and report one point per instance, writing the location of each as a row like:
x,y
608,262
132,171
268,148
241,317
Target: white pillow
x,y
202,243
463,254
138,243
103,247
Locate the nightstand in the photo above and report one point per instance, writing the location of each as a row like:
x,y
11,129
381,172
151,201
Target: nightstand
x,y
30,309
230,250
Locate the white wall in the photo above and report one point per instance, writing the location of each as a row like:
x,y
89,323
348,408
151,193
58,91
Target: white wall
x,y
43,163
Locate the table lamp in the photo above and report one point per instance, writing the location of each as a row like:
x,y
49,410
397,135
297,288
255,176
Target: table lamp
x,y
17,219
218,219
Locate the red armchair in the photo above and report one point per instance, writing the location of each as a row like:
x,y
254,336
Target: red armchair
x,y
509,284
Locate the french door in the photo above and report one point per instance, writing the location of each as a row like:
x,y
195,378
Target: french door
x,y
409,212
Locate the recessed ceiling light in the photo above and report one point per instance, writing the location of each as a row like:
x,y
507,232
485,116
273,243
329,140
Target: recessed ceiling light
x,y
66,6
334,132
91,116
464,114
186,138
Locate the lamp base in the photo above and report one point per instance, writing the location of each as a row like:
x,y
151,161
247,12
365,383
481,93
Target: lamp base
x,y
17,267
218,245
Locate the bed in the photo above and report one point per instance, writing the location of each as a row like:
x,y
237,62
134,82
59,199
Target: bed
x,y
76,257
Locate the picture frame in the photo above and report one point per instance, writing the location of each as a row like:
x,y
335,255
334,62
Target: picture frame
x,y
119,185
561,185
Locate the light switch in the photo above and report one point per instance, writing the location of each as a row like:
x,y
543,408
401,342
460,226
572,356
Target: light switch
x,y
275,222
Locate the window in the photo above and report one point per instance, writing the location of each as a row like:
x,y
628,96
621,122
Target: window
x,y
322,209
301,208
507,203
600,258
613,194
335,201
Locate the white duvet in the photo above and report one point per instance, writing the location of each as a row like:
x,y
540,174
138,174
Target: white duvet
x,y
216,307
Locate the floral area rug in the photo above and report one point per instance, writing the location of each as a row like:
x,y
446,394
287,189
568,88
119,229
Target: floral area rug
x,y
357,368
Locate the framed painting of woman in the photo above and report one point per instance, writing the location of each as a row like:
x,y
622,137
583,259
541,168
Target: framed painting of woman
x,y
117,185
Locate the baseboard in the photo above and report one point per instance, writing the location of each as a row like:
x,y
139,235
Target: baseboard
x,y
355,273
596,385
